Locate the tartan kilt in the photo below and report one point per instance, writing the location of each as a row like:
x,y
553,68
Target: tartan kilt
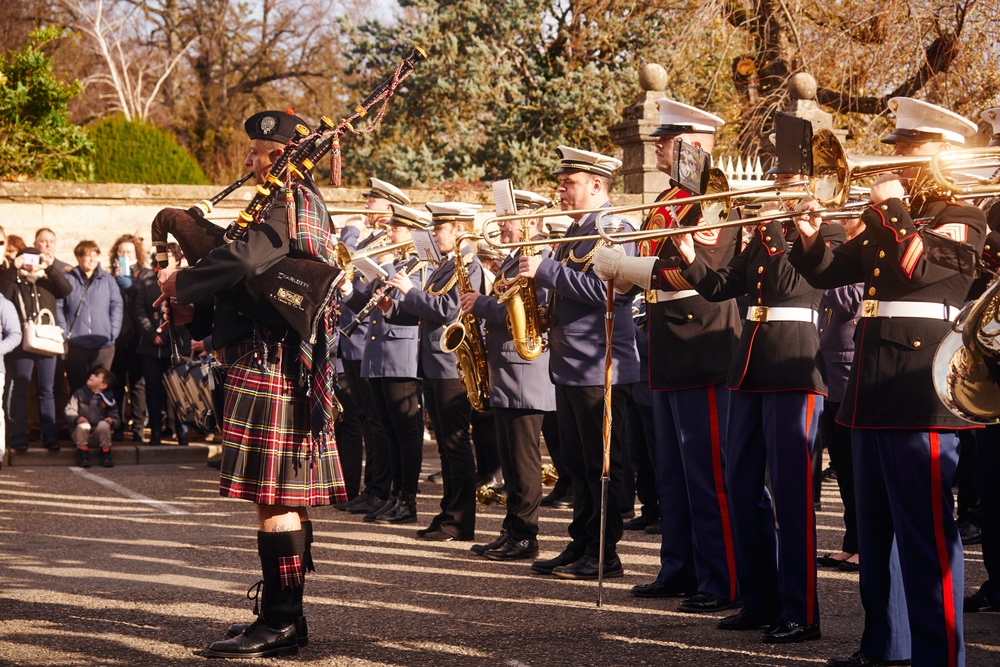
x,y
267,457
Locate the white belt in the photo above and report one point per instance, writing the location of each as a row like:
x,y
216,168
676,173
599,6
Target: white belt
x,y
781,314
659,296
924,309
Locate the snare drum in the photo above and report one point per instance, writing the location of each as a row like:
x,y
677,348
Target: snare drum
x,y
189,386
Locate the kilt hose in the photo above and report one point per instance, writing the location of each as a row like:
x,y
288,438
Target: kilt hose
x,y
267,456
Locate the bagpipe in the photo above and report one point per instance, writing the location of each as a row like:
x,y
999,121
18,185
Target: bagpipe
x,y
301,285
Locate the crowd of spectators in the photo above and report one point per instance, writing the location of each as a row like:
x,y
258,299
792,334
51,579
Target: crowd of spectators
x,y
110,328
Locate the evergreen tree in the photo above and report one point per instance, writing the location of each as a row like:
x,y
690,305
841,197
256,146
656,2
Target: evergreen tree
x,y
134,152
37,140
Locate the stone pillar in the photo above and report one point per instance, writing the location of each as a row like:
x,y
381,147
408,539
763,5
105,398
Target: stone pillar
x,y
632,134
802,91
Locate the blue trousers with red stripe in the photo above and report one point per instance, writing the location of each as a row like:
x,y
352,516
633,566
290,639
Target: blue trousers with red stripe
x,y
776,429
913,609
697,548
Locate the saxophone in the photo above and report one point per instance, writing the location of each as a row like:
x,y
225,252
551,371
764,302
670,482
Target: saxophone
x,y
466,340
523,319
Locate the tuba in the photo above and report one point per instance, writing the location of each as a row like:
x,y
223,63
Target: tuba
x,y
966,370
465,339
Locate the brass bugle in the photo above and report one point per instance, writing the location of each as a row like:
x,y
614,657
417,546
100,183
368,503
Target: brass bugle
x,y
371,252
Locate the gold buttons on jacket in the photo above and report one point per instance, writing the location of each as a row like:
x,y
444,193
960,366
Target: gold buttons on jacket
x,y
690,316
760,301
758,285
871,291
884,207
767,238
902,232
876,272
881,254
865,242
760,269
373,337
916,343
893,219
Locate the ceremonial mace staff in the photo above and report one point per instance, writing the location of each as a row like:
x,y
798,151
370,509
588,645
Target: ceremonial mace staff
x,y
610,224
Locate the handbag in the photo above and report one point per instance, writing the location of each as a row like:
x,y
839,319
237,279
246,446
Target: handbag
x,y
41,334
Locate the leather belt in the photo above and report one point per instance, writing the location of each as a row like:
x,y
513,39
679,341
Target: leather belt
x,y
923,309
781,314
659,296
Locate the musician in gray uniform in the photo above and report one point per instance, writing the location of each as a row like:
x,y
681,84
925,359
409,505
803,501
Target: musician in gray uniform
x,y
377,471
445,395
576,344
389,363
520,392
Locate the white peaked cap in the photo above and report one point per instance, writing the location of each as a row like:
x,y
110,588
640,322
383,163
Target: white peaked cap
x,y
574,159
677,118
380,188
920,122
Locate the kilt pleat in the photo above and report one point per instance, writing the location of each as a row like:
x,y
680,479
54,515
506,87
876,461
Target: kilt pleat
x,y
267,455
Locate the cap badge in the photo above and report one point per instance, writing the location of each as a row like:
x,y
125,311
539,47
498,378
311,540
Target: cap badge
x,y
268,124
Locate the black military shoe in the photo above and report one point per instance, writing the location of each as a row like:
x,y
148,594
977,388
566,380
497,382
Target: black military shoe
x,y
257,641
370,504
480,549
388,506
564,503
353,502
588,568
790,632
980,601
514,550
301,630
547,566
702,603
859,659
655,589
747,620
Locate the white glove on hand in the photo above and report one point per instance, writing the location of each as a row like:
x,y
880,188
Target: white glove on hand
x,y
610,262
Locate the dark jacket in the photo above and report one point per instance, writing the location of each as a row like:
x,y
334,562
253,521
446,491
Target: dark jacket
x,y
891,384
95,407
839,312
146,290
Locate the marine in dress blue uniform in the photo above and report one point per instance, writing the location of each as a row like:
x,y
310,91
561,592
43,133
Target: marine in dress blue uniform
x,y
576,340
691,345
445,394
520,395
904,444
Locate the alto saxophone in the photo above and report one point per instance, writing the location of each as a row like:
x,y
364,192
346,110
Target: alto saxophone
x,y
466,340
523,317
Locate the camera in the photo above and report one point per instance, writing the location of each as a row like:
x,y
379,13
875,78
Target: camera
x,y
30,259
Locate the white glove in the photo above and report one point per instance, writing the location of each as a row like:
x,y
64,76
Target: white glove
x,y
611,263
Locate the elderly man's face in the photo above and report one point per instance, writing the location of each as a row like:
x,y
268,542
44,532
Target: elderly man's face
x,y
46,242
260,158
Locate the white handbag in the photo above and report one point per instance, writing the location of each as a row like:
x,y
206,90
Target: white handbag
x,y
41,335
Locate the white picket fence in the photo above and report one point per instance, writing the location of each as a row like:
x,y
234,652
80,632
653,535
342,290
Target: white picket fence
x,y
744,174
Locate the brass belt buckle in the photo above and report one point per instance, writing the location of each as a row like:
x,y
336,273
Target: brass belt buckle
x,y
869,308
759,314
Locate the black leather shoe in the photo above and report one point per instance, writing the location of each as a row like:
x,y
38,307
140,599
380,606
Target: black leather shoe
x,y
389,504
970,533
655,589
437,536
514,550
588,568
640,522
551,497
301,630
353,502
747,620
859,659
257,641
790,632
702,603
547,566
480,549
369,505
405,511
979,601
564,503
653,529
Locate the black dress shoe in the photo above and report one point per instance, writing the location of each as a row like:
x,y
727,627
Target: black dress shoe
x,y
702,603
979,601
588,568
655,589
301,630
257,641
969,532
480,549
859,659
370,504
747,620
353,502
653,529
551,497
389,504
790,632
564,503
435,525
437,536
640,522
514,550
547,566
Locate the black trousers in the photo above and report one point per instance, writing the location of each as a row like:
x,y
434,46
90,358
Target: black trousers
x,y
378,472
641,455
81,361
581,429
518,435
350,438
989,473
837,439
484,438
397,403
448,405
550,430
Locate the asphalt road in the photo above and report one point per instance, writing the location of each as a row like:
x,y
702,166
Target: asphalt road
x,y
146,565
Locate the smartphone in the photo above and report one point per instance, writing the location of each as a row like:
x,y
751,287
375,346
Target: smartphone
x,y
123,263
30,259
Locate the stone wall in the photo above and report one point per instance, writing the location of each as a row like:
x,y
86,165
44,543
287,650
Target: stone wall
x,y
104,211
